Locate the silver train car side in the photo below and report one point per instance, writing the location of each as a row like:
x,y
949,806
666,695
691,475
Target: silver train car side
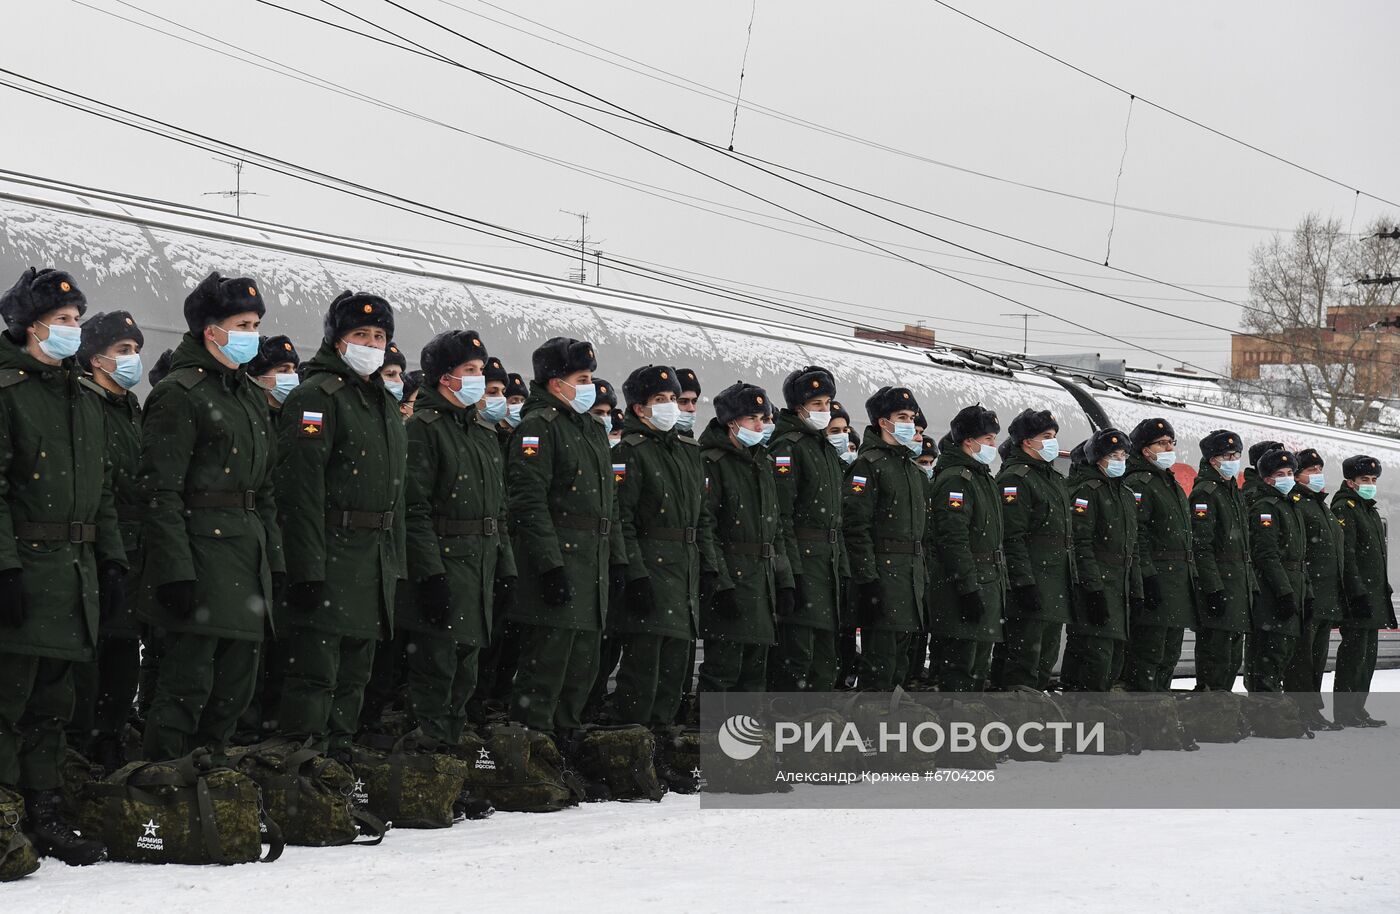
x,y
144,256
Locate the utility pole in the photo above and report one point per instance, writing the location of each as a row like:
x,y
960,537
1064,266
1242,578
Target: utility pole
x,y
584,243
1026,318
238,193
597,266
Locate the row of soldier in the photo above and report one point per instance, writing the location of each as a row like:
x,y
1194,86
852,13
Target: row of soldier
x,y
253,536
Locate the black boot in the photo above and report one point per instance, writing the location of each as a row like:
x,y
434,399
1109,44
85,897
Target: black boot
x,y
676,780
593,791
472,808
51,834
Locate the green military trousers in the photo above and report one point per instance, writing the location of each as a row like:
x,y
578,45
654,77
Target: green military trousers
x,y
324,688
1267,656
1356,662
205,685
650,679
1026,658
106,692
609,655
1092,663
553,677
441,681
960,665
803,660
1219,654
36,703
1153,653
884,658
1303,678
733,666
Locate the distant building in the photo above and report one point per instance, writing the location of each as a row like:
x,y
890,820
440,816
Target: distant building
x,y
916,336
1368,337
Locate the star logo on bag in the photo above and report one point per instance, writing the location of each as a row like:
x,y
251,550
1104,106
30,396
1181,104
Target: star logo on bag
x,y
483,754
359,786
151,828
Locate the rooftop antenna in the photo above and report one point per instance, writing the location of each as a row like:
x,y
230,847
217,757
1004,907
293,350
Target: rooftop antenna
x,y
1026,318
580,274
238,193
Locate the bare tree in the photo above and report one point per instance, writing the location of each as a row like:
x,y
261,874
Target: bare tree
x,y
1306,302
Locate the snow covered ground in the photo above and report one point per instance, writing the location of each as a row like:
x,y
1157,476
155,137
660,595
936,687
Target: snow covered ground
x,y
673,854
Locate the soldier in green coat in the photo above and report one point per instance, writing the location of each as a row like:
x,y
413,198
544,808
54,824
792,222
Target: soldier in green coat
x,y
566,537
1039,553
274,369
106,688
1224,568
968,591
210,542
884,519
1253,485
341,469
753,580
917,674
1367,586
1105,528
688,401
1278,546
669,536
811,480
62,564
1168,564
1326,565
460,562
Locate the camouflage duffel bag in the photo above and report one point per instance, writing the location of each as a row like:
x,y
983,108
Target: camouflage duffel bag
x,y
828,752
1022,706
406,788
622,757
953,710
1153,718
78,772
516,769
1274,716
307,793
752,769
1092,715
17,856
189,810
1212,717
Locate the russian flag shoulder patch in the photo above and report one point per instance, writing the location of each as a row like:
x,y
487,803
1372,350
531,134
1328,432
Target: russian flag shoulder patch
x,y
529,445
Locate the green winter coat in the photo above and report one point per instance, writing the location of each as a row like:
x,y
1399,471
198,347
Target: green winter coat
x,y
666,527
811,484
1366,581
206,435
967,518
1278,545
123,413
884,521
1039,544
1220,542
1105,521
1326,554
352,465
53,471
456,517
1164,526
750,552
563,512
1253,487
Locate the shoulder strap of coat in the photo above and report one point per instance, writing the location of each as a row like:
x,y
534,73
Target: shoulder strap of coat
x,y
188,376
1092,483
12,376
92,385
690,441
1018,469
546,413
428,416
714,453
634,439
330,383
965,473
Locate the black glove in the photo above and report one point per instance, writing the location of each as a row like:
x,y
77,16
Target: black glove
x,y
1215,604
1025,599
111,590
1136,606
1152,592
307,596
641,597
279,587
787,602
12,609
177,598
435,600
504,598
972,606
708,580
1308,605
726,603
1286,607
798,598
617,584
1096,607
870,605
1357,608
1390,620
554,587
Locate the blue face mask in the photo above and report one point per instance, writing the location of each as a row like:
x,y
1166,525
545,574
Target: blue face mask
x,y
841,441
395,388
747,436
1229,468
904,434
285,384
63,341
1285,484
513,414
985,454
1049,449
1367,491
495,409
584,397
1165,460
685,421
848,457
1115,468
127,372
768,431
1317,482
241,347
472,389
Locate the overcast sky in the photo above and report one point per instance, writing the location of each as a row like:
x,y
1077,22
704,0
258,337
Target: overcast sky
x,y
1311,82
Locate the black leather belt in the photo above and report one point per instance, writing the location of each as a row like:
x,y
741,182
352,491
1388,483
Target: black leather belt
x,y
994,556
476,526
248,500
817,535
1171,555
361,520
757,550
899,547
599,525
56,533
1053,538
671,534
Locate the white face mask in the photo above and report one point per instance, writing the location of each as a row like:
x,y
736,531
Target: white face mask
x,y
848,457
363,360
664,415
839,440
818,420
1165,460
685,421
928,470
986,454
513,416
